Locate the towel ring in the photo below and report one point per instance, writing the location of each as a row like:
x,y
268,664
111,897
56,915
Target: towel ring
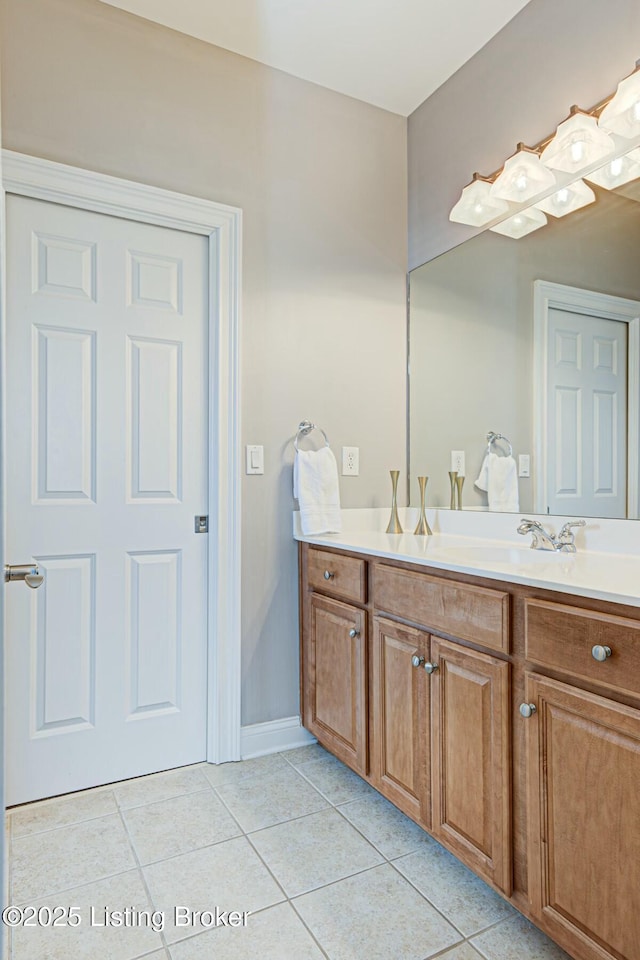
x,y
305,428
493,437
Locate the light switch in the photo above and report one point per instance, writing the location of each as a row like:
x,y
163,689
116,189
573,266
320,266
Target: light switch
x,y
255,459
524,465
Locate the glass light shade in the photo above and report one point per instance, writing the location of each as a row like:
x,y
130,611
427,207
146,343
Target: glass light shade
x,y
616,172
522,223
522,177
578,143
567,199
622,114
476,206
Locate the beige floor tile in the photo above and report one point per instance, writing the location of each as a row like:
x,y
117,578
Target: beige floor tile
x,y
304,754
376,915
464,952
159,786
68,857
220,773
517,938
335,781
274,934
271,798
61,811
229,876
170,827
385,826
87,941
313,851
462,897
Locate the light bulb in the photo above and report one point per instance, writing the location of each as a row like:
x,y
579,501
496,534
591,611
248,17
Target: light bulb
x,y
562,195
521,182
615,167
577,151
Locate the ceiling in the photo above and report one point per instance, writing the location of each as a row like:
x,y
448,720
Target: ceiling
x,y
391,53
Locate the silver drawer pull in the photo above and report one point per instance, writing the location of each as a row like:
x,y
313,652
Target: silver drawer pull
x,y
28,572
417,661
600,653
353,633
328,575
430,667
527,710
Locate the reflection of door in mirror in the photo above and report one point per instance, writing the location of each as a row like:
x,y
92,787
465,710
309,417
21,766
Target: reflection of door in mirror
x,y
587,404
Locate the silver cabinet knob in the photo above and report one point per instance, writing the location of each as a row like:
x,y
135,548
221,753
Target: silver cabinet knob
x,y
527,709
417,661
600,653
27,572
353,633
328,575
430,667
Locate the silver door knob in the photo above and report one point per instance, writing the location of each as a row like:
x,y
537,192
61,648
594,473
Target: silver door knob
x,y
27,572
430,667
527,709
328,575
417,661
353,633
600,653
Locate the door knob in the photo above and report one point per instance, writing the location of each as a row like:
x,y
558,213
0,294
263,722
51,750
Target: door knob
x,y
430,667
353,633
28,572
328,575
527,710
416,660
600,653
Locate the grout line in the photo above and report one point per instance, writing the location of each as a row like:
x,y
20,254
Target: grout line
x,y
150,899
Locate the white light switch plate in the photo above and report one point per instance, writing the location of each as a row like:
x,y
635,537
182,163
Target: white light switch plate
x,y
524,465
255,458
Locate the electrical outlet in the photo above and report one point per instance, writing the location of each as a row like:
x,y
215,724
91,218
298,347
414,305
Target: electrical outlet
x,y
457,462
350,461
524,465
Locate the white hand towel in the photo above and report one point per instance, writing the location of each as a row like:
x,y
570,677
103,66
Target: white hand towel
x,y
499,477
315,484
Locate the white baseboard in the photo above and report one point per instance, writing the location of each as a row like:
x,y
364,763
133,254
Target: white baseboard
x,y
258,739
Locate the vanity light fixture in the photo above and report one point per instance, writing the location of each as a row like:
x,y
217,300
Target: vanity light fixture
x,y
477,206
578,142
622,114
521,223
617,172
586,139
523,177
567,199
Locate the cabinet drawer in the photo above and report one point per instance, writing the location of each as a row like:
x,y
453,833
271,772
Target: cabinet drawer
x,y
563,638
478,614
346,575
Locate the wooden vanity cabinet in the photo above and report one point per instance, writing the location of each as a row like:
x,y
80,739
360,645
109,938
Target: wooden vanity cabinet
x,y
400,717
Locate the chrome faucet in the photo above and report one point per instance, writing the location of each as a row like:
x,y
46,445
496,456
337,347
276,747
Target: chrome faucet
x,y
544,540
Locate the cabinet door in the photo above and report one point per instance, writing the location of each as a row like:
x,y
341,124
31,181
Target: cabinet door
x,y
470,759
583,765
400,717
337,693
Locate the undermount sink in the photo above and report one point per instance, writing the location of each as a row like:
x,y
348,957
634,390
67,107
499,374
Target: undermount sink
x,y
514,556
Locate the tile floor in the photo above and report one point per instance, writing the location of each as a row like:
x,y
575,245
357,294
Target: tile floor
x,y
326,867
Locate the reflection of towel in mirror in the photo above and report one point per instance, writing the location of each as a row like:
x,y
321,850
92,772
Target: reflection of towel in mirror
x,y
315,484
499,477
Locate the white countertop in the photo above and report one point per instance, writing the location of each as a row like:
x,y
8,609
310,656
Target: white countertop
x,y
589,573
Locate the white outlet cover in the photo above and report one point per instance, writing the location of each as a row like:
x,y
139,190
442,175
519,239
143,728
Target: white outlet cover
x,y
350,461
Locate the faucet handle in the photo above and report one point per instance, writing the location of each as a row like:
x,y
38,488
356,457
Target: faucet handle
x,y
566,529
526,526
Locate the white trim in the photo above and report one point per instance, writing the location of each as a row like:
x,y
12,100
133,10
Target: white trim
x,y
71,186
559,296
259,739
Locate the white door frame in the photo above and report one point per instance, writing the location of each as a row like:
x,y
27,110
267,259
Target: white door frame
x,y
558,296
222,225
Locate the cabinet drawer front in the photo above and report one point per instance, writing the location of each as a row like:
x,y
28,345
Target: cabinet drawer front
x,y
471,613
346,575
562,637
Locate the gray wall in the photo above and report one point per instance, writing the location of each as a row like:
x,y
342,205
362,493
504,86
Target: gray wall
x,y
322,182
471,334
518,87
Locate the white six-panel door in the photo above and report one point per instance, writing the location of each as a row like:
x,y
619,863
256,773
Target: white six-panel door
x,y
587,415
106,443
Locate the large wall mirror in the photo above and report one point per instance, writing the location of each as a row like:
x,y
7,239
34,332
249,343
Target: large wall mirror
x,y
537,339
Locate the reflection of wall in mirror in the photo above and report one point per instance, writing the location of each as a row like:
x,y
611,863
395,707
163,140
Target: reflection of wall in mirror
x,y
471,334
